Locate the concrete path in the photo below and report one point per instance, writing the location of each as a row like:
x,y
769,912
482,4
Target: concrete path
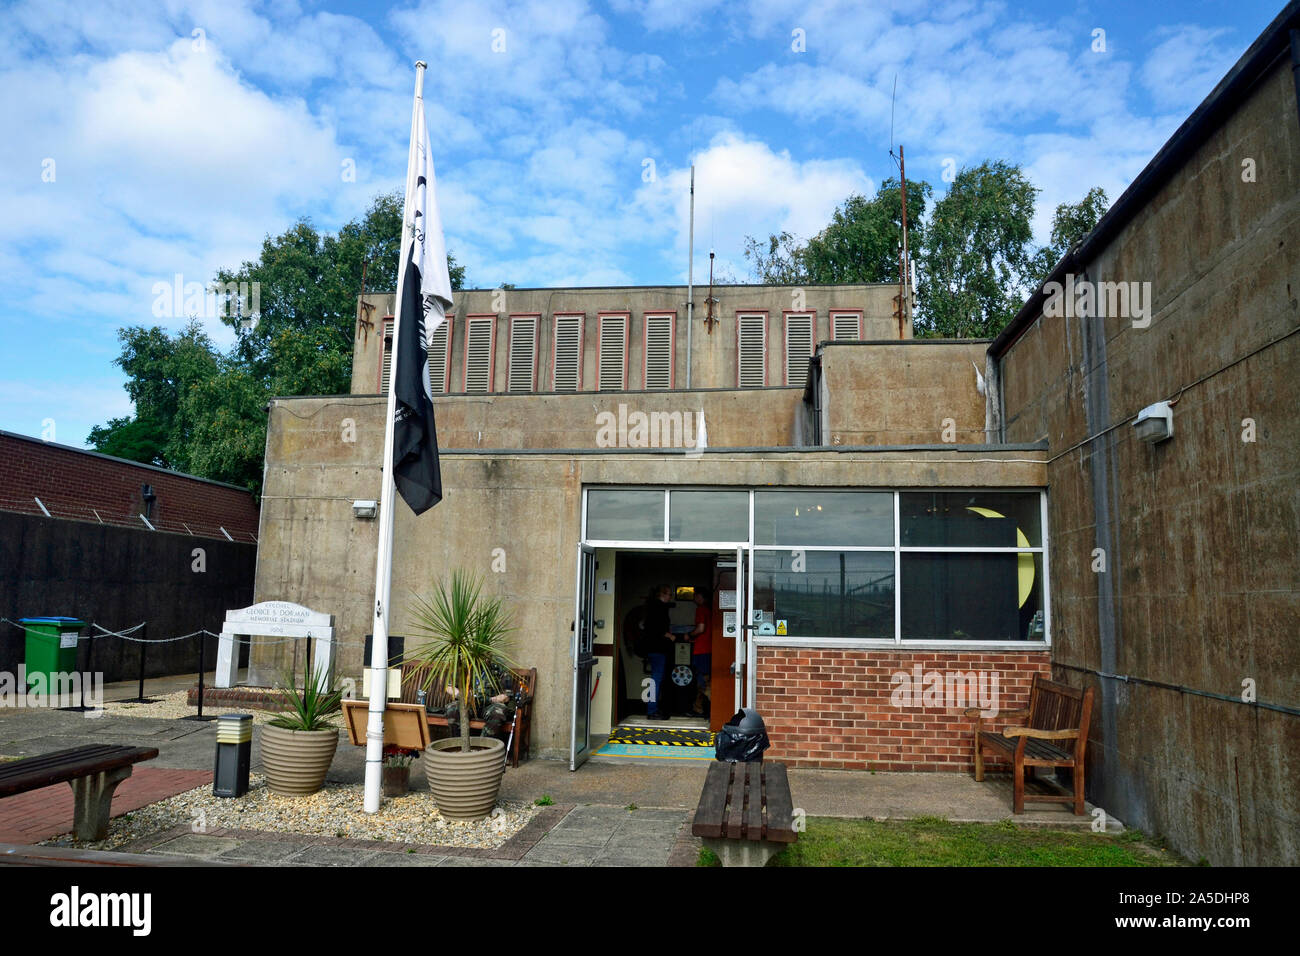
x,y
606,813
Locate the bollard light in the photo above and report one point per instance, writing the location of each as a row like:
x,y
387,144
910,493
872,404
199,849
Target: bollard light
x,y
234,753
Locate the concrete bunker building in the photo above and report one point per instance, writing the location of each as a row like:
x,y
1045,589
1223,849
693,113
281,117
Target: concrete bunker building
x,y
876,505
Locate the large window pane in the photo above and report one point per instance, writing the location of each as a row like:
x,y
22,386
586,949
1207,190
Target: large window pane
x,y
812,517
966,519
708,516
615,514
824,594
972,597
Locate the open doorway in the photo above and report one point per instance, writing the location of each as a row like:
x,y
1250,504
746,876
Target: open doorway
x,y
685,696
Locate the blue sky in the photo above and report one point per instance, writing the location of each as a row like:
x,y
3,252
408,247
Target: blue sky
x,y
151,139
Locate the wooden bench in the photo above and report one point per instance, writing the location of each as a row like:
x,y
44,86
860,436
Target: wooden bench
x,y
746,813
92,771
437,698
1054,733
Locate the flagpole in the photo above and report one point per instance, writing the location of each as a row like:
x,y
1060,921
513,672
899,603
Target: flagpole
x,y
387,508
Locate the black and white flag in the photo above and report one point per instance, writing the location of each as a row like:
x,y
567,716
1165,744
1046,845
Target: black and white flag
x,y
425,295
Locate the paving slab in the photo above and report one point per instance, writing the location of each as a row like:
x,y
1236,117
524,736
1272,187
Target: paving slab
x,y
262,851
559,854
196,845
333,856
406,859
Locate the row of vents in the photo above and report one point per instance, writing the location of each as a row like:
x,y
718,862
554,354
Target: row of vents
x,y
613,338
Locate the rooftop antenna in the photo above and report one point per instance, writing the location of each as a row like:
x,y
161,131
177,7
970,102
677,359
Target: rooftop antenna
x,y
690,281
904,263
709,320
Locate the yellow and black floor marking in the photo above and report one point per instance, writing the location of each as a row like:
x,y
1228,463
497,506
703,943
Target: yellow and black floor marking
x,y
661,737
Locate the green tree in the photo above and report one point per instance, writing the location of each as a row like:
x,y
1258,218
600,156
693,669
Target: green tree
x,y
861,243
161,369
1070,224
203,412
976,266
778,261
863,239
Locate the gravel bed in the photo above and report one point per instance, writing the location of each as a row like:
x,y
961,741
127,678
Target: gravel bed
x,y
173,706
334,811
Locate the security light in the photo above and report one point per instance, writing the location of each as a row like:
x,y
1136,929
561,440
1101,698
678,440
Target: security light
x,y
1155,423
365,509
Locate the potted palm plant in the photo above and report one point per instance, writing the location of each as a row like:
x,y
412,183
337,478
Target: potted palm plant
x,y
467,648
298,746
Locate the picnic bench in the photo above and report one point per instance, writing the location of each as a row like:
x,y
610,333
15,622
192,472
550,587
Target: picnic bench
x,y
93,771
1054,733
746,813
437,698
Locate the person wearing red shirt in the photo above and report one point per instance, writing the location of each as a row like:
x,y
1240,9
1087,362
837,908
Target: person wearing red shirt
x,y
701,651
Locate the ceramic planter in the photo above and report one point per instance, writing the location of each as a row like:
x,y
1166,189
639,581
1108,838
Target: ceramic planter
x,y
295,761
465,785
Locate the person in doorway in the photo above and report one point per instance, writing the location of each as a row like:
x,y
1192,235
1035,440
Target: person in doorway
x,y
657,642
702,650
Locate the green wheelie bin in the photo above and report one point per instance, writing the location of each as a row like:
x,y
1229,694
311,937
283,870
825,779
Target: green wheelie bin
x,y
51,646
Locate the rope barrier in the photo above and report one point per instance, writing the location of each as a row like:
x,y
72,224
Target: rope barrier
x,y
125,636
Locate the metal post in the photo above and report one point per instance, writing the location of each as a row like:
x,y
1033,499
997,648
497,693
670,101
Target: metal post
x,y
199,715
90,669
144,647
904,270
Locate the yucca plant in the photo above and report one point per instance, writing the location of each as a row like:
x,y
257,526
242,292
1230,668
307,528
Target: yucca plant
x,y
310,708
468,635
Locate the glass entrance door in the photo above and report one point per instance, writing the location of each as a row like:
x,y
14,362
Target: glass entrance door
x,y
743,628
583,658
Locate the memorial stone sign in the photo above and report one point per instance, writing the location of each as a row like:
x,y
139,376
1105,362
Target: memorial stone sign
x,y
282,619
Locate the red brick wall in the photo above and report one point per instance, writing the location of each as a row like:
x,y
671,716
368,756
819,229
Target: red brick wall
x,y
71,483
832,708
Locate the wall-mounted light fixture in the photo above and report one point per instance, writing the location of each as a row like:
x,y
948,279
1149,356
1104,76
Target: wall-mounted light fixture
x,y
368,508
1155,423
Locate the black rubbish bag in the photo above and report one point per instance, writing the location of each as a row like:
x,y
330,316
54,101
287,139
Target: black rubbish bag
x,y
743,738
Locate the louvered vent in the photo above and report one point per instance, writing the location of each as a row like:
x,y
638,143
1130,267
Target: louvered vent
x,y
846,326
440,359
478,354
568,353
658,351
613,352
523,354
386,359
798,347
751,351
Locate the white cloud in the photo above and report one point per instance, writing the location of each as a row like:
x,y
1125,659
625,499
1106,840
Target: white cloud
x,y
745,188
1185,66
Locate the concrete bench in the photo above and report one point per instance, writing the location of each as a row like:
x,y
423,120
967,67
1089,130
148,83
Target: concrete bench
x,y
93,772
746,813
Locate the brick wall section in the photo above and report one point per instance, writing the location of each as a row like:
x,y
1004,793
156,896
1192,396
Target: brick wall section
x,y
832,708
71,482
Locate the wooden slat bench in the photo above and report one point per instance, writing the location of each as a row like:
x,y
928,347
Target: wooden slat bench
x,y
92,771
746,813
1053,733
437,698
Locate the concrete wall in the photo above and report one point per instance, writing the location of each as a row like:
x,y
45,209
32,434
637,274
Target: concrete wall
x,y
714,354
118,577
914,391
315,553
733,418
1201,586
